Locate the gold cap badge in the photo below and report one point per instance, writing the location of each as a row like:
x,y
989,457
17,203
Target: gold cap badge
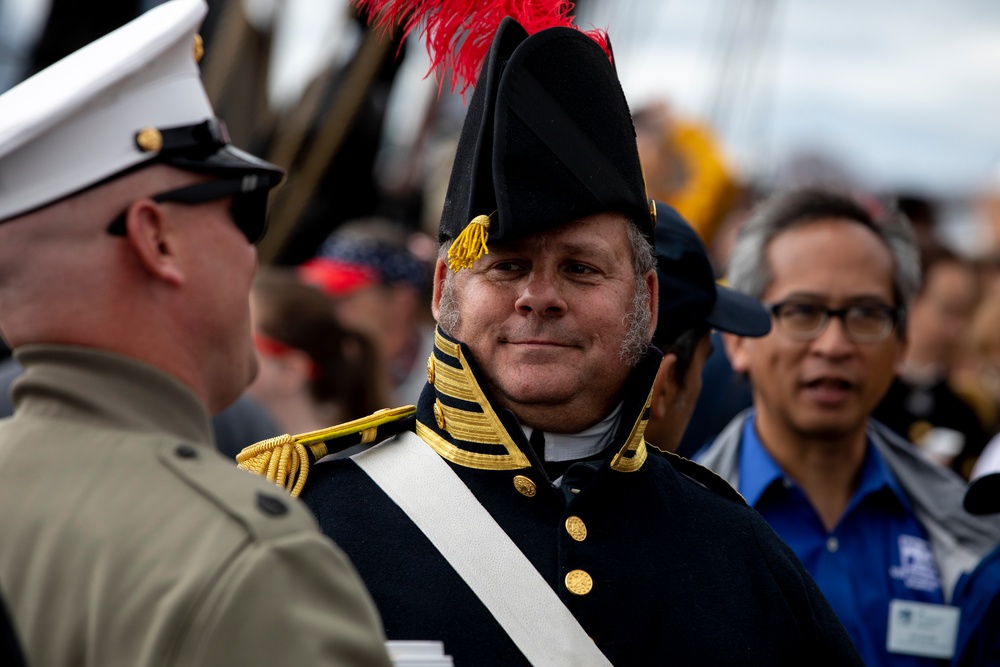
x,y
149,140
199,48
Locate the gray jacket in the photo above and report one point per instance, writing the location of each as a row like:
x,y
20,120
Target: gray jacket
x,y
958,539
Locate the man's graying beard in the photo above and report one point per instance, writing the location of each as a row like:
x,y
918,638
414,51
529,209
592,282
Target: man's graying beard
x,y
634,343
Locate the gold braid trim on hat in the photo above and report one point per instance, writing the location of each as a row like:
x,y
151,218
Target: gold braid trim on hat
x,y
285,460
470,244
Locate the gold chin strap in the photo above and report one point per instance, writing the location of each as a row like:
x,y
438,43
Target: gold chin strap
x,y
470,244
285,460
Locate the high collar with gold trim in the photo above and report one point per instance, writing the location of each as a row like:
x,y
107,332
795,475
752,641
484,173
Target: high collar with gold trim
x,y
456,417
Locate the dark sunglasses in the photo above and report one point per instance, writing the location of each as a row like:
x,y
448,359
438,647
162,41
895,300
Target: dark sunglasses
x,y
249,208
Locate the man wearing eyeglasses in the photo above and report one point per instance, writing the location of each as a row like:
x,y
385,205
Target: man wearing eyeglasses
x,y
127,223
880,528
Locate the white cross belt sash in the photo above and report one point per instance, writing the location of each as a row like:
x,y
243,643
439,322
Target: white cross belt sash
x,y
479,550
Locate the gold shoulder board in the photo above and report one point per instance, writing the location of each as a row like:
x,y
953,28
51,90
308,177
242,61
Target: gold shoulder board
x,y
285,460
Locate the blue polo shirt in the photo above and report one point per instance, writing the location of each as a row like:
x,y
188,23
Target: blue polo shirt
x,y
877,552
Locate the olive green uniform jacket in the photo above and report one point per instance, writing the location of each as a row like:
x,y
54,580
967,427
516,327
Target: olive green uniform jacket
x,y
126,540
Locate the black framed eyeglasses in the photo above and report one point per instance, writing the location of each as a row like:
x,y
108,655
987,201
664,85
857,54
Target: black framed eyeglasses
x,y
863,323
249,208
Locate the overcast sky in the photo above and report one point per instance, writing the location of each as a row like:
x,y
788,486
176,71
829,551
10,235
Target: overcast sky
x,y
902,93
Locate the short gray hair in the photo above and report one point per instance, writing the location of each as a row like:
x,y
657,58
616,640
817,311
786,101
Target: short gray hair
x,y
749,271
637,320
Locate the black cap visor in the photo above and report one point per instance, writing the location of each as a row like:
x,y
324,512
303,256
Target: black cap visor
x,y
228,162
983,495
738,313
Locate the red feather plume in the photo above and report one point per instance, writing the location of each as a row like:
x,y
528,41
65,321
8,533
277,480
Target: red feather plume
x,y
458,33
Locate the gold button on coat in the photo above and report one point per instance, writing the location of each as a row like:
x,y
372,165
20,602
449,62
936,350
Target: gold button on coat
x,y
576,528
430,369
439,414
578,582
525,486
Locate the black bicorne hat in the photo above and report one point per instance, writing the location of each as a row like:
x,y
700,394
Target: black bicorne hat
x,y
548,139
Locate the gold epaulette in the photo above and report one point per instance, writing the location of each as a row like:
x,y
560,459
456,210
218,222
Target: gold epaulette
x,y
285,460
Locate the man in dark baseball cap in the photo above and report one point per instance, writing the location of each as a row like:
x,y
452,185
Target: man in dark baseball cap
x,y
691,304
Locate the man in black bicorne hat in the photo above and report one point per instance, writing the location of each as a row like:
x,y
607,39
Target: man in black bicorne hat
x,y
516,514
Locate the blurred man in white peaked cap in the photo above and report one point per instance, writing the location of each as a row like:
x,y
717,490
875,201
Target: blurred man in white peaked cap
x,y
127,224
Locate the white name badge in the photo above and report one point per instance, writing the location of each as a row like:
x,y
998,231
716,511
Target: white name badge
x,y
919,628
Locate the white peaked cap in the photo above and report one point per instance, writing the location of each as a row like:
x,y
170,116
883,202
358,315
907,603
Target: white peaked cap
x,y
78,122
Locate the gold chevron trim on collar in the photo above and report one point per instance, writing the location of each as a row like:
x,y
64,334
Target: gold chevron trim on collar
x,y
485,427
479,427
446,346
452,382
470,426
636,442
467,459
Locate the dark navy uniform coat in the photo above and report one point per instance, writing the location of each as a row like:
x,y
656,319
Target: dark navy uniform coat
x,y
682,571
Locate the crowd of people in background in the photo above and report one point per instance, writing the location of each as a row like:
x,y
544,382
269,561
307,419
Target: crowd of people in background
x,y
862,289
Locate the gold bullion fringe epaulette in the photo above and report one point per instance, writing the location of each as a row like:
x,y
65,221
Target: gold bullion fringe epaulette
x,y
285,460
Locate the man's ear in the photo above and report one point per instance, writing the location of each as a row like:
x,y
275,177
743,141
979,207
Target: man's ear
x,y
440,273
664,388
150,235
654,295
736,350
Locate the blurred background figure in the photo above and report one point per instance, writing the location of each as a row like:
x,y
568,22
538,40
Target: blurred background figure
x,y
313,371
984,343
691,306
378,275
983,374
684,167
921,404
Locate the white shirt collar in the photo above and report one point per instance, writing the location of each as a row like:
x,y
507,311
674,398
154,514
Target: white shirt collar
x,y
576,446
